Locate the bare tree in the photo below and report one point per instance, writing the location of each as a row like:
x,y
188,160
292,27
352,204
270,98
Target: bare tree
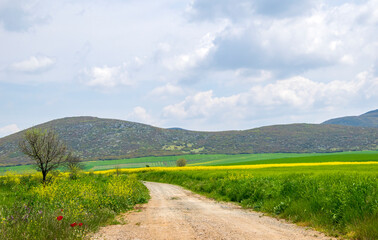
x,y
44,148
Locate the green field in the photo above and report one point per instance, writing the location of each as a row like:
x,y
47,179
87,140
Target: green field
x,y
302,158
341,200
218,160
249,159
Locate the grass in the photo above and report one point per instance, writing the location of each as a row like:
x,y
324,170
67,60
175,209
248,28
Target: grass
x,y
218,160
30,210
340,200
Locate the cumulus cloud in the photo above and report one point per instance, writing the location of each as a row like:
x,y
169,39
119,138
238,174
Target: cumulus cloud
x,y
282,45
107,77
260,59
253,76
295,94
139,114
202,104
9,129
168,89
35,64
194,58
300,92
289,46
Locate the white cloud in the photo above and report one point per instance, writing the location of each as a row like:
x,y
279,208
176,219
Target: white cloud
x,y
262,59
326,36
347,59
300,92
305,94
166,90
139,114
201,105
7,130
34,64
295,94
253,76
369,83
192,59
107,77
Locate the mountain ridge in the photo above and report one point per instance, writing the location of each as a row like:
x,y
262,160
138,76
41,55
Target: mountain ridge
x,y
96,138
368,119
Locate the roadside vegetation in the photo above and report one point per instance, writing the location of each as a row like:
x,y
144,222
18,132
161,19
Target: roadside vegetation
x,y
334,193
65,208
341,200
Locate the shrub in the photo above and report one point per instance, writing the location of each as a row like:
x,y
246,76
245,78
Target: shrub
x,y
181,162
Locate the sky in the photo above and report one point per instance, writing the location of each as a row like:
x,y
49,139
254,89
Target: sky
x,y
204,65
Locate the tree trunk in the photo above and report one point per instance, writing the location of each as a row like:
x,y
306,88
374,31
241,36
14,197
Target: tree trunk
x,y
44,177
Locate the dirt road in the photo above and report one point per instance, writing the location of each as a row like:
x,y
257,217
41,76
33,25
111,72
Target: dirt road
x,y
176,213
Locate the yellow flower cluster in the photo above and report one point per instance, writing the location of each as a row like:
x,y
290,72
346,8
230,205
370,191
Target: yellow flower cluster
x,y
11,178
77,193
257,166
241,175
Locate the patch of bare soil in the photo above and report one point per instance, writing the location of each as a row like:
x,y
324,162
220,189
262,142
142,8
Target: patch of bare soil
x,y
176,213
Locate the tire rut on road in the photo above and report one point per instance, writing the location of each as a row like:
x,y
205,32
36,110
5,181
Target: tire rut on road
x,y
176,213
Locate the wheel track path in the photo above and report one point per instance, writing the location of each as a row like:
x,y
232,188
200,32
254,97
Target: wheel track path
x,y
176,213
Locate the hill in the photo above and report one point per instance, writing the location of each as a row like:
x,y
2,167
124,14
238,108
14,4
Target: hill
x,y
369,119
95,138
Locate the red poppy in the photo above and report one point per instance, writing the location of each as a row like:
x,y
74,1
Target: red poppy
x,y
80,224
61,210
59,218
73,224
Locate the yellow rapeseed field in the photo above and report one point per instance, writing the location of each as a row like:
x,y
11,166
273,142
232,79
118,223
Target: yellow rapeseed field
x,y
196,168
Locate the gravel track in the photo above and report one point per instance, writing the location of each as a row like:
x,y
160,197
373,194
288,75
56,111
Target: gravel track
x,y
176,213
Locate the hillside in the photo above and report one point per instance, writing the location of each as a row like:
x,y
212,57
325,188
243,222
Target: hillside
x,y
96,138
369,119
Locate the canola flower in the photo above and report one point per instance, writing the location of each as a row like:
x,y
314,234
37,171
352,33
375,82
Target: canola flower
x,y
64,208
14,178
236,167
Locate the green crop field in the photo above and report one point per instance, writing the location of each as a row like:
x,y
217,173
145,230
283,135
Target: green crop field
x,y
218,160
303,158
